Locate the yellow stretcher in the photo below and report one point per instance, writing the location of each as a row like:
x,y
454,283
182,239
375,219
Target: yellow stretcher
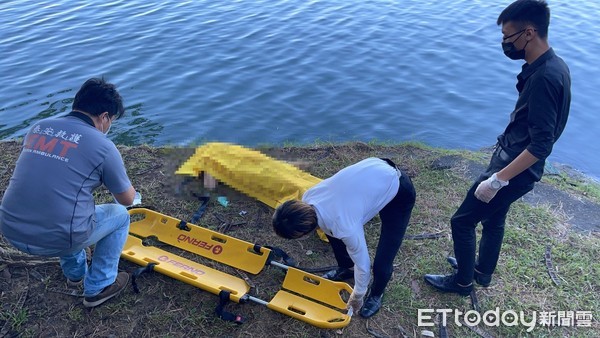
x,y
303,295
253,173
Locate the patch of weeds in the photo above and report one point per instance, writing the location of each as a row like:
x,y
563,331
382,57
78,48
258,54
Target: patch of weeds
x,y
436,198
159,319
579,186
481,157
204,322
120,304
402,299
27,333
15,318
75,313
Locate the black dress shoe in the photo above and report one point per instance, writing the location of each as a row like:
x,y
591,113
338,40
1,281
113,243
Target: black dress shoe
x,y
452,261
371,307
482,279
339,274
447,284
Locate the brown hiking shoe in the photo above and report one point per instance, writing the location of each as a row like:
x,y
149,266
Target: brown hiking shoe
x,y
108,292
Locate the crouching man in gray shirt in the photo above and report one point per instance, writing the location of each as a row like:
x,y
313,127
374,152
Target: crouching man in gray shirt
x,y
48,208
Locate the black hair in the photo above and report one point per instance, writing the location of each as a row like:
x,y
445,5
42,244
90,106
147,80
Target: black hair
x,y
97,96
294,219
524,12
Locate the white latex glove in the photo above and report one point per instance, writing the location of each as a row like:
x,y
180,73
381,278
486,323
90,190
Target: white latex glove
x,y
487,189
355,302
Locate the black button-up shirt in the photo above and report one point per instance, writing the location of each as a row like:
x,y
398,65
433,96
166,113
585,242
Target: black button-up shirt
x,y
541,111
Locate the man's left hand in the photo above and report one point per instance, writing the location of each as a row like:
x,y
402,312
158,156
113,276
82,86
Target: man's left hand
x,y
487,189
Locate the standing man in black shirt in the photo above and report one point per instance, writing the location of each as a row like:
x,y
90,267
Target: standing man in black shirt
x,y
537,121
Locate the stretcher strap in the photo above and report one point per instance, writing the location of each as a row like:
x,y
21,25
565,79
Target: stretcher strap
x,y
204,203
183,226
138,272
225,315
277,253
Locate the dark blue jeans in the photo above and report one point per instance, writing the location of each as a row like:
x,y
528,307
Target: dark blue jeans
x,y
492,216
394,221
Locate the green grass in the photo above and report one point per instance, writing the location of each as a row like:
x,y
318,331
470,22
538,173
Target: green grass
x,y
16,319
75,314
521,282
577,185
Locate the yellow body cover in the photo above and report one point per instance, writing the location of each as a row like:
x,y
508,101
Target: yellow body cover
x,y
253,173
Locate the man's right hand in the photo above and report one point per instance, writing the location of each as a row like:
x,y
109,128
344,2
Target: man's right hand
x,y
355,302
487,189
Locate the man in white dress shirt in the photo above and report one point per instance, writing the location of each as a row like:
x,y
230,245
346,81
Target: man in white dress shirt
x,y
340,206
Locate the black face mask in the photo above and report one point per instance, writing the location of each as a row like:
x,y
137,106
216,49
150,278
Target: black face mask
x,y
512,52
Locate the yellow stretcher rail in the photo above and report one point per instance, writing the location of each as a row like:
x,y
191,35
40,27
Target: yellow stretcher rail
x,y
249,171
303,296
317,289
201,241
182,269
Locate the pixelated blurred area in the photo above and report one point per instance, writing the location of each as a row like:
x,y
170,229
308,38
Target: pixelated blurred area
x,y
255,174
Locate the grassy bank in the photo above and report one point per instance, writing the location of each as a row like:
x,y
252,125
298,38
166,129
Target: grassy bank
x,y
169,308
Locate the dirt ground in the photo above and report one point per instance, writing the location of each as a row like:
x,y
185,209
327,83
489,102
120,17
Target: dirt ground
x,y
32,290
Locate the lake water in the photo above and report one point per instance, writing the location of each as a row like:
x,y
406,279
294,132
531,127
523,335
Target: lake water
x,y
268,71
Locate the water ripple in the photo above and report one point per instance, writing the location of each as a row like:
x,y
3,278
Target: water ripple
x,y
273,71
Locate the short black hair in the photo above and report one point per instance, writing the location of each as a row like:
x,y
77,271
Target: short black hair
x,y
97,96
524,12
294,219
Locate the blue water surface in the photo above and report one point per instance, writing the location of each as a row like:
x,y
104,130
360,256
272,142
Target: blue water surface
x,y
255,72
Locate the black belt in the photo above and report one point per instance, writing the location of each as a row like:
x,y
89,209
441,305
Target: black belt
x,y
502,154
390,162
393,165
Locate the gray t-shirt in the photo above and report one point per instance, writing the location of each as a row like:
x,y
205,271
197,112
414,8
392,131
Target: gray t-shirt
x,y
49,202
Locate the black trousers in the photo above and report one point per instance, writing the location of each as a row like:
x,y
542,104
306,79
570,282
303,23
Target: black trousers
x,y
394,221
492,216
